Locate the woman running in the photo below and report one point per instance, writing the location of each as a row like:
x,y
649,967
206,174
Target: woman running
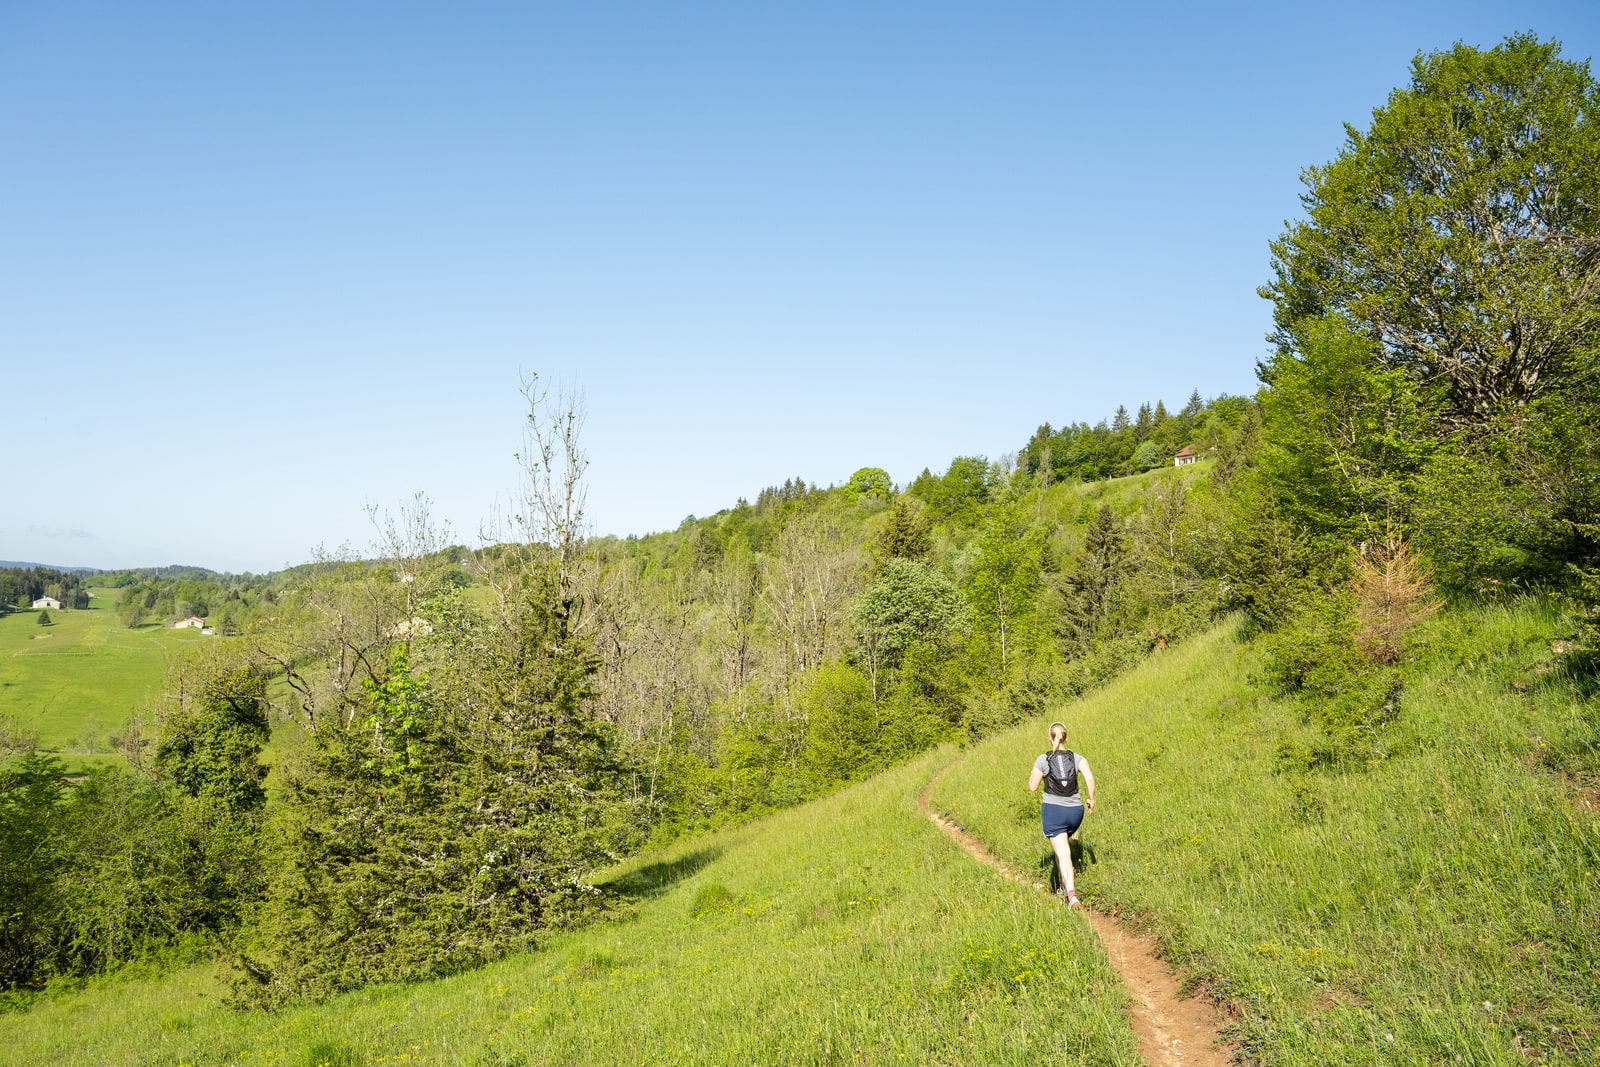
x,y
1061,809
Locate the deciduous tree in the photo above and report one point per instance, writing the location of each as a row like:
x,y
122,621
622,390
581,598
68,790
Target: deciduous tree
x,y
907,603
870,483
1460,232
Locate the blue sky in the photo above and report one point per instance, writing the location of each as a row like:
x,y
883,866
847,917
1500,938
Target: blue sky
x,y
262,267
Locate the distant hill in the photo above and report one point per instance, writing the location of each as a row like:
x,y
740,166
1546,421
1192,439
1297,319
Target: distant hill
x,y
49,566
172,570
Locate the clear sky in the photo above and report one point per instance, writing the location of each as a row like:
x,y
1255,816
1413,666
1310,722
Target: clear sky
x,y
261,265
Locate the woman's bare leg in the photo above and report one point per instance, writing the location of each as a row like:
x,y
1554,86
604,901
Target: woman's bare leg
x,y
1062,844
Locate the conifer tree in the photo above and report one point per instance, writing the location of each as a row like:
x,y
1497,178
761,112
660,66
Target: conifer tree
x,y
1092,583
1144,423
906,532
457,784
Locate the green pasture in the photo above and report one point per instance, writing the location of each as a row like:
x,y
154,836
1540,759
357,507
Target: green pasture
x,y
1441,907
75,682
849,930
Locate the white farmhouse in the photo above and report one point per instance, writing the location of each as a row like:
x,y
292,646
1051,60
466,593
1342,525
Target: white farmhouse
x,y
193,621
47,602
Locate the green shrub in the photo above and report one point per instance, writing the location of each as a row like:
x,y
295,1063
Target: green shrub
x,y
1348,699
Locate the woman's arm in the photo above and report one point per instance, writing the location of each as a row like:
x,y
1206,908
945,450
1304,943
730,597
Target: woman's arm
x,y
1034,779
1088,780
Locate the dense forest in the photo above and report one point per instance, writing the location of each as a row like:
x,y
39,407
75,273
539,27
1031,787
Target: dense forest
x,y
462,737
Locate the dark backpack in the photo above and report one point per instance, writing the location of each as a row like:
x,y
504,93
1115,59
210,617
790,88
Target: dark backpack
x,y
1061,773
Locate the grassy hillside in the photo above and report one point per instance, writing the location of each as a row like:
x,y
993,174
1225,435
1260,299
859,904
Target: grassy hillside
x,y
75,682
848,930
1439,907
1440,904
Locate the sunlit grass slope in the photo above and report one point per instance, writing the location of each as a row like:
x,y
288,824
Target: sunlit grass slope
x,y
1441,907
848,930
77,682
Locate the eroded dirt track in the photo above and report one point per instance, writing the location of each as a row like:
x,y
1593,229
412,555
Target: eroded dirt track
x,y
1173,1031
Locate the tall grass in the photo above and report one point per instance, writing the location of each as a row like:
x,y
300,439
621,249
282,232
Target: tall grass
x,y
850,930
1441,906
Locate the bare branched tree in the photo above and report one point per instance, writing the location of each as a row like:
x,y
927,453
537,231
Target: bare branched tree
x,y
545,523
737,591
809,585
553,465
334,628
409,541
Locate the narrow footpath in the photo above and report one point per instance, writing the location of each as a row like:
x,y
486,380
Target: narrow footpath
x,y
1173,1031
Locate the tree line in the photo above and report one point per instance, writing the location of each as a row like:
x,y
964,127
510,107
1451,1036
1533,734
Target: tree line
x,y
21,586
1128,446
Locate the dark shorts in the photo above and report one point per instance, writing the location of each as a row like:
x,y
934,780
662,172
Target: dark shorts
x,y
1060,819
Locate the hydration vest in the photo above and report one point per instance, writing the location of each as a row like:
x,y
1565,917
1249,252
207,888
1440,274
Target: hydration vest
x,y
1061,773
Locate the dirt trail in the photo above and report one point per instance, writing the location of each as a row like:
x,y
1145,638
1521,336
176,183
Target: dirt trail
x,y
1173,1031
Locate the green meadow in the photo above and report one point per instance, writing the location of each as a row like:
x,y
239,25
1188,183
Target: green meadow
x,y
848,930
76,682
1441,906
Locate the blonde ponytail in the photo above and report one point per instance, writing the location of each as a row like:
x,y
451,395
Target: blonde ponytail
x,y
1058,734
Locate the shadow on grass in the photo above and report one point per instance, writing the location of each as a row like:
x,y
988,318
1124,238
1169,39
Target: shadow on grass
x,y
1582,668
1082,856
653,879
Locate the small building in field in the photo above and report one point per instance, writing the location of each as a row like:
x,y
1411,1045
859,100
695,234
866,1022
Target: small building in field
x,y
192,622
1186,457
47,603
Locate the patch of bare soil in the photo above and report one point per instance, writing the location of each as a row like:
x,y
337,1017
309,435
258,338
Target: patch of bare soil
x,y
1173,1031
